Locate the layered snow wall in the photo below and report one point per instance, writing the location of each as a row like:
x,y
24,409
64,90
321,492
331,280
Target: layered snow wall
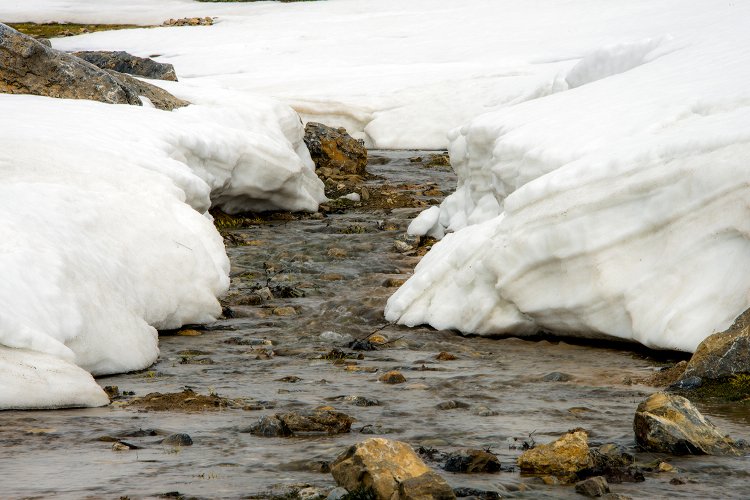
x,y
618,205
106,236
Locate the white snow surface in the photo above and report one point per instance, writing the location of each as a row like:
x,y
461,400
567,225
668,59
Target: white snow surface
x,y
106,236
399,74
619,205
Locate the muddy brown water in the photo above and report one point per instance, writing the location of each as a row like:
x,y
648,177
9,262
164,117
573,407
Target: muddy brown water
x,y
59,453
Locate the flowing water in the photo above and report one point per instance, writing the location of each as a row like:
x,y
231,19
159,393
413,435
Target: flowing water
x,y
342,263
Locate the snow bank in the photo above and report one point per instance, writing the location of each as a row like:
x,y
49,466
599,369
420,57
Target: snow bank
x,y
105,235
615,206
396,74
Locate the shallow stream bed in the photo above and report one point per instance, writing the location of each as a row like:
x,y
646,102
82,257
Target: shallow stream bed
x,y
334,271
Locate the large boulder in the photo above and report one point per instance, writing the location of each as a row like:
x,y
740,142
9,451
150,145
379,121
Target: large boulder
x,y
122,62
563,458
391,470
333,151
724,354
30,67
667,423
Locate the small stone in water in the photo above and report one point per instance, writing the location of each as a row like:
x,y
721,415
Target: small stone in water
x,y
557,377
451,405
362,401
592,487
178,439
112,391
483,411
394,282
445,356
352,197
284,311
392,377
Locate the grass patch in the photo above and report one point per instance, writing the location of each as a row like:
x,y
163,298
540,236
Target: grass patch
x,y
56,30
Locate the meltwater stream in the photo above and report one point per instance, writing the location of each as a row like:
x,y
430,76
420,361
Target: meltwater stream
x,y
343,263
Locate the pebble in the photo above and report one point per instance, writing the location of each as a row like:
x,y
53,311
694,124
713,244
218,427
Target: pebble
x,y
394,282
445,356
178,439
352,197
483,411
592,487
284,311
451,405
557,377
392,377
311,493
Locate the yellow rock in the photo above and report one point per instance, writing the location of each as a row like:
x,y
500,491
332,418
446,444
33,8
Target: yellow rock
x,y
562,458
284,311
390,469
190,333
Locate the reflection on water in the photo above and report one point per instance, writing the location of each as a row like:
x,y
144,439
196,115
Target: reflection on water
x,y
502,382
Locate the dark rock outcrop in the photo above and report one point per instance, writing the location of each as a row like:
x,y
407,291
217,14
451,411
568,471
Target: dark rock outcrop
x,y
122,62
724,354
667,423
334,151
30,67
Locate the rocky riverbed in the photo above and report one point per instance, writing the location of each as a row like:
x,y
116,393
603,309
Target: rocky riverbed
x,y
304,335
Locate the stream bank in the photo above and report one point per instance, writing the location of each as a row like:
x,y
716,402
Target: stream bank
x,y
329,276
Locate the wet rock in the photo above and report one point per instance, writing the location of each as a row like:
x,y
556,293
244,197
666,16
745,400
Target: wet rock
x,y
362,401
284,311
178,439
290,379
428,486
319,421
483,411
615,464
476,494
112,391
30,67
557,377
187,400
452,405
390,469
271,426
120,446
445,356
438,160
564,458
592,487
394,282
472,461
392,377
724,354
122,62
686,384
335,149
669,423
402,246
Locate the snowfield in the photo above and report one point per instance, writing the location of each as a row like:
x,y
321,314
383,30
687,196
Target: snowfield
x,y
106,235
602,150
